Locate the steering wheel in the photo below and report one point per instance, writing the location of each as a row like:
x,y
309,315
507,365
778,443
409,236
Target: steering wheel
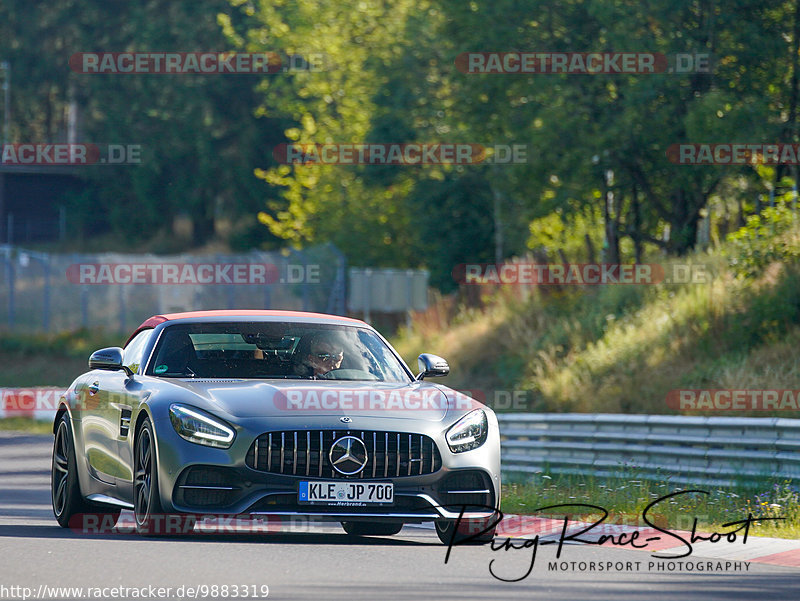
x,y
349,374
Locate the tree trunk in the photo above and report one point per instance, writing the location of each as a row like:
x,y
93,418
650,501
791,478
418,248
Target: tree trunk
x,y
591,256
498,225
791,121
203,226
636,232
611,245
686,216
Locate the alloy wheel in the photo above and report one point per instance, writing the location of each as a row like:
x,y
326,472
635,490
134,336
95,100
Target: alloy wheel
x,y
60,470
144,475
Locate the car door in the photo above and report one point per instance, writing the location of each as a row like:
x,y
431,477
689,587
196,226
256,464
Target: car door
x,y
127,393
99,419
110,397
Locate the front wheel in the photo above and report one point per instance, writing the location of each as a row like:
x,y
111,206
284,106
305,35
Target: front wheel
x,y
150,517
371,528
470,532
65,490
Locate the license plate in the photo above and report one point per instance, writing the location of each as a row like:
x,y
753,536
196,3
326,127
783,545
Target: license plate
x,y
346,493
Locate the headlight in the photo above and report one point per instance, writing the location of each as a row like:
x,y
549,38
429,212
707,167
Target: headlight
x,y
199,427
469,432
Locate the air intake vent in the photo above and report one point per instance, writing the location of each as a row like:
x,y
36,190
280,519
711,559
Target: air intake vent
x,y
201,486
466,489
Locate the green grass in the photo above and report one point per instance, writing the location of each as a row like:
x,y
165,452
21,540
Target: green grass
x,y
49,360
25,424
625,498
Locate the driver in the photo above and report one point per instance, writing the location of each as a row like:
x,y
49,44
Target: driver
x,y
324,355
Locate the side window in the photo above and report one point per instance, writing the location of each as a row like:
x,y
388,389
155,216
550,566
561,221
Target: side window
x,y
134,350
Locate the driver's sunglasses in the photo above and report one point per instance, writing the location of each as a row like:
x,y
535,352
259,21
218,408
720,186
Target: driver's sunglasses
x,y
330,357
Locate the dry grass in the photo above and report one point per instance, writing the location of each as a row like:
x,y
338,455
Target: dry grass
x,y
622,350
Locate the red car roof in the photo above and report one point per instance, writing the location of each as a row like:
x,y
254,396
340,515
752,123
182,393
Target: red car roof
x,y
157,319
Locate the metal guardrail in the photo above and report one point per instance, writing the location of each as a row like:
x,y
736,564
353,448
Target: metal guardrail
x,y
715,451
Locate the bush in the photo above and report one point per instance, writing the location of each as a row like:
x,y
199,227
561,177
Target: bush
x,y
766,238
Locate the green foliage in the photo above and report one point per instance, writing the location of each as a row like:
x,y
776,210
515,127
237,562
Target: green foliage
x,y
763,314
596,144
199,137
554,232
382,75
768,237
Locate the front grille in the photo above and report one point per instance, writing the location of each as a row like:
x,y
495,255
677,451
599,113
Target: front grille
x,y
305,453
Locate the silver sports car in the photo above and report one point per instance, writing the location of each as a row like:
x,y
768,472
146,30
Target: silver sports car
x,y
273,413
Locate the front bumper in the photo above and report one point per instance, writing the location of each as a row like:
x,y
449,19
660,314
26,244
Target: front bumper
x,y
202,480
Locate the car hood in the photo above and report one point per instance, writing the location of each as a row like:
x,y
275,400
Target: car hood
x,y
307,398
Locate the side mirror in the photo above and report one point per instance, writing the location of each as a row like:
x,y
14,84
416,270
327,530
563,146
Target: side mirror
x,y
431,366
108,358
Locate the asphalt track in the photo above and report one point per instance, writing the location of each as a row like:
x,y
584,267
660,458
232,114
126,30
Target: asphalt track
x,y
321,562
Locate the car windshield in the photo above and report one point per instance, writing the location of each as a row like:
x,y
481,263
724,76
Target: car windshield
x,y
274,350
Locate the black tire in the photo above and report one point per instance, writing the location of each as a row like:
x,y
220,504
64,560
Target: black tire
x,y
65,490
466,530
371,528
148,512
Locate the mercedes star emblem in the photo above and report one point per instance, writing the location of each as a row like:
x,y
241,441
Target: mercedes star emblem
x,y
348,455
